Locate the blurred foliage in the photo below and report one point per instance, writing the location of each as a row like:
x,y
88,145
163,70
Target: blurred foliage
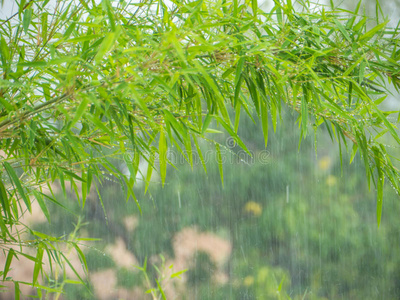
x,y
97,260
202,270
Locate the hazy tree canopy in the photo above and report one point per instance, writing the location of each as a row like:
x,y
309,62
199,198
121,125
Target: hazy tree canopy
x,y
84,82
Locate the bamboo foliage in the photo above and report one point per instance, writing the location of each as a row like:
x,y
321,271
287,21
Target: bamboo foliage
x,y
86,81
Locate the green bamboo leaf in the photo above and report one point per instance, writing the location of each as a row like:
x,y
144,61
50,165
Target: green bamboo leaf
x,y
264,122
177,274
4,51
82,257
21,7
210,130
38,263
237,90
4,229
167,87
80,110
380,184
27,19
4,201
84,4
161,290
150,167
219,162
72,267
110,13
206,122
252,87
162,151
235,8
72,175
188,148
380,134
368,35
353,152
44,236
387,123
43,19
254,7
84,188
10,255
356,64
342,30
6,104
200,154
237,117
233,134
102,202
357,28
361,72
69,30
17,291
239,70
178,127
84,38
278,10
129,183
14,178
105,46
40,287
33,64
99,124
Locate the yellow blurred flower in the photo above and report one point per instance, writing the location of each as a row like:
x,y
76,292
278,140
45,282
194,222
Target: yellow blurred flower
x,y
331,180
324,163
253,208
248,281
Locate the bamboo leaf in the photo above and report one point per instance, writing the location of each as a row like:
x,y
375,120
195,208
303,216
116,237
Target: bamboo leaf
x,y
10,255
177,274
38,263
110,13
4,51
162,151
14,178
342,30
233,134
264,122
368,35
380,184
238,78
254,7
80,110
84,38
17,292
161,290
105,46
4,201
200,154
81,256
206,122
27,19
150,167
